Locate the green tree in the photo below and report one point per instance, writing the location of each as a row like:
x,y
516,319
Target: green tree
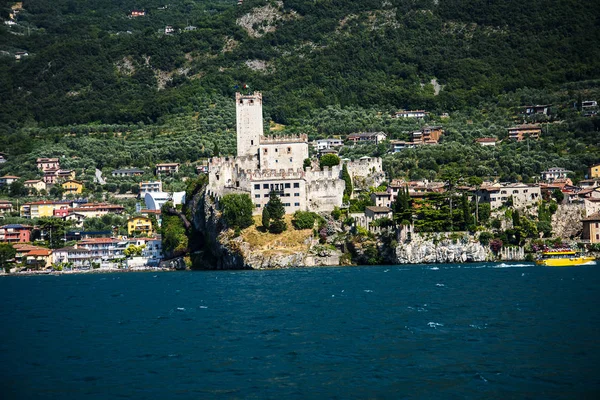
x,y
17,189
346,177
7,252
54,229
266,218
558,195
329,160
276,212
133,250
237,210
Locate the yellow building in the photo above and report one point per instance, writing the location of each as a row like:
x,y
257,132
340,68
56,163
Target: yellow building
x,y
139,224
35,184
595,171
39,209
72,187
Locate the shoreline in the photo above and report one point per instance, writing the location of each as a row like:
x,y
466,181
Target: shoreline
x,y
157,269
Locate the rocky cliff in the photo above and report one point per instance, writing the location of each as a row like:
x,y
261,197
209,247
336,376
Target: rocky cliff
x,y
440,249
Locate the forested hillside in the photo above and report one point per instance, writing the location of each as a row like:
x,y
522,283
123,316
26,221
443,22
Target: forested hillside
x,y
96,78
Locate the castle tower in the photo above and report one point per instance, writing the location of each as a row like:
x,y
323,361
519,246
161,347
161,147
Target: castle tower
x,y
249,122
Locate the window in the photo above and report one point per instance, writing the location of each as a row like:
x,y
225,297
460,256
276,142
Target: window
x,y
297,185
597,225
252,143
276,150
257,196
503,192
287,185
525,191
297,204
515,191
276,161
257,187
290,159
296,194
257,205
286,204
266,194
289,150
266,186
265,151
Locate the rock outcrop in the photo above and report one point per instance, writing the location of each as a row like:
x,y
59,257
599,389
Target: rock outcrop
x,y
566,222
421,250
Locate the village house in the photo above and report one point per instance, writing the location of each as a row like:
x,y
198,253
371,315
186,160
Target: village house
x,y
21,54
427,135
594,171
591,229
95,210
150,187
2,158
137,13
374,213
553,174
6,207
498,194
104,249
418,114
8,180
72,187
39,258
155,200
326,144
382,199
367,137
77,257
399,145
53,176
167,168
543,109
139,225
39,209
169,30
589,183
127,172
15,233
591,205
486,141
76,219
35,184
521,132
46,164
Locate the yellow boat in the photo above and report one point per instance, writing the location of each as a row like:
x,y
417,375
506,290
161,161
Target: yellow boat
x,y
564,258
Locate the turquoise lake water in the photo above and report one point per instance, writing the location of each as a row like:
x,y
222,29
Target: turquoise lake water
x,y
485,331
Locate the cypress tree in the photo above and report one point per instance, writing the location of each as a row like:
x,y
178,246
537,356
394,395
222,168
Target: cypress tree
x,y
346,177
276,211
266,218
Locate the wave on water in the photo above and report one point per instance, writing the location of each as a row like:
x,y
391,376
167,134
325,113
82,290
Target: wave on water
x,y
504,265
434,268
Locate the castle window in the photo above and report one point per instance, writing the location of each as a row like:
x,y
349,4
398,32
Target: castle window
x,y
276,150
290,159
296,194
241,101
276,161
258,206
266,194
297,204
256,187
265,151
266,186
252,143
289,150
251,101
257,196
287,185
296,185
286,204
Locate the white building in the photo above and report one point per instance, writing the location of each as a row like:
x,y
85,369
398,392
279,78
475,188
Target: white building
x,y
326,144
155,200
419,114
555,173
266,163
150,187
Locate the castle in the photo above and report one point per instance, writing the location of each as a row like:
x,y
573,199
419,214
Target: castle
x,y
266,163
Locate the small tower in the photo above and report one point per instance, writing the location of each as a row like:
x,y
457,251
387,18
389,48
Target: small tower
x,y
249,123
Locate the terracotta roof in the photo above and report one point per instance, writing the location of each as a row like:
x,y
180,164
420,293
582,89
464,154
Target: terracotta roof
x,y
39,252
9,177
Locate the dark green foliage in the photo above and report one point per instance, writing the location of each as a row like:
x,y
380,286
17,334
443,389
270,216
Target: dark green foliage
x,y
305,219
484,213
336,213
276,211
558,195
485,237
237,210
7,252
403,206
306,163
106,222
17,189
174,235
266,218
346,177
53,229
329,160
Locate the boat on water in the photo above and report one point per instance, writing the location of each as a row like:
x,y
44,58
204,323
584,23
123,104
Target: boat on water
x,y
564,258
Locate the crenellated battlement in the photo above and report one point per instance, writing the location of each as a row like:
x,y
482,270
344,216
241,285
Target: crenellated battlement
x,y
333,172
271,139
269,174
